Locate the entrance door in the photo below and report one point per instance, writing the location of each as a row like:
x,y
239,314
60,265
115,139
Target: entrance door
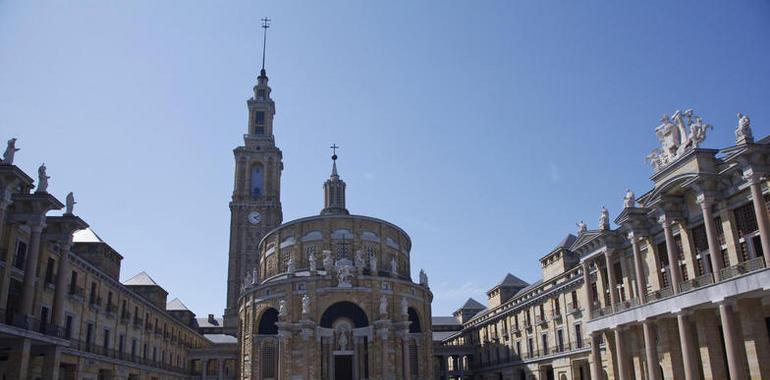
x,y
343,367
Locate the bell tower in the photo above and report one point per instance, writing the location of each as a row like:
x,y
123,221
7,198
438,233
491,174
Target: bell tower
x,y
255,207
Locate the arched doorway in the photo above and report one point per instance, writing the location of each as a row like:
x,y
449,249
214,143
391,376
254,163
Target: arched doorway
x,y
344,342
267,344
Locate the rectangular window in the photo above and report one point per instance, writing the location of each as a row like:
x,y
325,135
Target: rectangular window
x,y
89,335
49,270
259,117
21,255
530,347
745,220
133,347
92,295
68,327
121,343
106,341
574,299
43,319
579,335
544,348
560,340
73,282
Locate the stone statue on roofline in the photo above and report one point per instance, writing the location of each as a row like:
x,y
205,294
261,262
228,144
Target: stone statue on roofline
x,y
629,200
743,133
423,278
42,179
677,134
582,227
604,219
70,201
10,152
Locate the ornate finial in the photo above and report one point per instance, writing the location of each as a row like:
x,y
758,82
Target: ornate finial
x,y
743,133
10,151
604,219
265,25
334,148
42,179
70,203
679,133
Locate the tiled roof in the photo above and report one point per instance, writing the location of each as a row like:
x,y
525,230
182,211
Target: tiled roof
x,y
141,279
220,338
204,322
511,280
472,304
442,320
567,242
176,304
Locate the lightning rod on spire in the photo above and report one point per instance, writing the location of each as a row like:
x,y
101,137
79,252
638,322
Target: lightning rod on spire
x,y
265,25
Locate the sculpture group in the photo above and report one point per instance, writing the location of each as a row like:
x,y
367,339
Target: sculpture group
x,y
677,134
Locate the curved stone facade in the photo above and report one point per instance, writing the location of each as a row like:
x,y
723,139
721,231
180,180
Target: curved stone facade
x,y
333,298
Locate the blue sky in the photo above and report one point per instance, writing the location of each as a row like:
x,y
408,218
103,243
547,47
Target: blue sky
x,y
485,129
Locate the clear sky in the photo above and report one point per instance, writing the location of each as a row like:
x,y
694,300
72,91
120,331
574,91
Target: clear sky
x,y
485,129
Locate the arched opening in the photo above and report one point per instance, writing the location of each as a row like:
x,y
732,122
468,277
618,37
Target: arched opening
x,y
346,310
344,354
257,181
414,326
267,324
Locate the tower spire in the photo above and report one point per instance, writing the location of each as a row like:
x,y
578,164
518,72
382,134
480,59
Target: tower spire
x,y
334,190
265,25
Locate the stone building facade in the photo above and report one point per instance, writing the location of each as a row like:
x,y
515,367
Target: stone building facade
x,y
610,304
332,298
64,314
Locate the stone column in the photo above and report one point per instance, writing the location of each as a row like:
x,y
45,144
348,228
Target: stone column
x,y
51,363
715,251
612,284
622,357
18,360
732,347
689,357
760,210
57,315
641,280
30,270
5,201
755,339
596,356
651,351
673,254
587,287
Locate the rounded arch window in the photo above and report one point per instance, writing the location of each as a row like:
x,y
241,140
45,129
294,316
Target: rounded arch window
x,y
345,310
414,318
267,323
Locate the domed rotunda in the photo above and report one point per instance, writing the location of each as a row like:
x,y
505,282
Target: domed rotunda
x,y
332,298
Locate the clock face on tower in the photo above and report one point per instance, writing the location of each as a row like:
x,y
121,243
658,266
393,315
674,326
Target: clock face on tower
x,y
255,217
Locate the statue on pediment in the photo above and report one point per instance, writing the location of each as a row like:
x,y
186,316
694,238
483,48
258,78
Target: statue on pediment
x,y
743,133
70,201
677,134
10,152
629,200
42,180
604,219
582,227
